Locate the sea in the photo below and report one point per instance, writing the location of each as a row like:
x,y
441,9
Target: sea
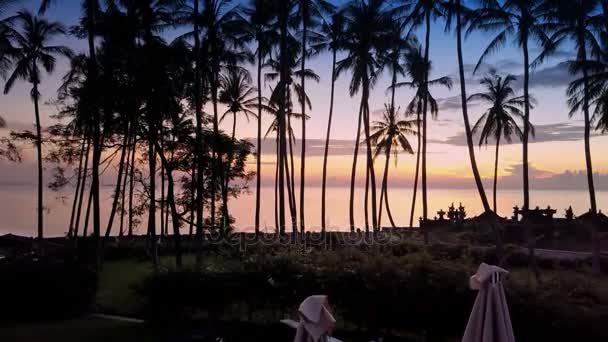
x,y
18,207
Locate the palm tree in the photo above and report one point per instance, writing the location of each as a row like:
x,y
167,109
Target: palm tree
x,y
310,12
286,95
389,135
258,16
423,12
30,36
223,46
417,68
577,21
236,93
91,10
367,22
330,39
522,19
455,10
501,119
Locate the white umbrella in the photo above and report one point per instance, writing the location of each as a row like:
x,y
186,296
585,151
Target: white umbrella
x,y
490,320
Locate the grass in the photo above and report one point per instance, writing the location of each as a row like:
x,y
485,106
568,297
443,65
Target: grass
x,y
77,330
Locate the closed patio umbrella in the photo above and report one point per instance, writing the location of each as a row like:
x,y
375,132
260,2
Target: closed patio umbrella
x,y
316,320
490,320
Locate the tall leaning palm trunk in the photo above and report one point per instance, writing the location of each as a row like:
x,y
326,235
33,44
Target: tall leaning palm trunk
x,y
282,112
370,160
465,111
526,180
259,138
305,14
418,153
496,169
39,160
326,151
595,243
354,172
424,127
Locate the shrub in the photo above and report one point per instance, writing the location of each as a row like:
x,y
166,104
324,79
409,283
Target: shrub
x,y
37,290
416,293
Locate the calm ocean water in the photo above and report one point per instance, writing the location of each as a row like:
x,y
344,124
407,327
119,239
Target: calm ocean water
x,y
18,205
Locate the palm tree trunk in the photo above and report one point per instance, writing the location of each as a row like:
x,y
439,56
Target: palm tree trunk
x,y
227,180
526,124
193,199
325,153
171,201
496,169
276,189
354,172
152,189
217,154
87,215
199,138
418,149
384,187
366,200
132,186
259,154
77,190
290,190
303,101
121,165
92,77
465,112
40,181
123,191
162,186
291,180
284,74
388,207
595,243
424,129
82,187
370,159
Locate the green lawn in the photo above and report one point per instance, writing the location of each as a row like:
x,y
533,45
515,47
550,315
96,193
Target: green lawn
x,y
77,330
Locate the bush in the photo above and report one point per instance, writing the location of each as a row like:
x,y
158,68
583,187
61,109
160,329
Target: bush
x,y
37,290
414,293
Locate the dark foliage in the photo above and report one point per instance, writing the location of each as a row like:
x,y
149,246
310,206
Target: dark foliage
x,y
37,290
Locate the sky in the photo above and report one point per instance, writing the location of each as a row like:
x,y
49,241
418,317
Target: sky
x,y
556,155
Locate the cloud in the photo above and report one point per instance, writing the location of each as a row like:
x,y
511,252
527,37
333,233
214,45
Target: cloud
x,y
548,77
545,180
563,131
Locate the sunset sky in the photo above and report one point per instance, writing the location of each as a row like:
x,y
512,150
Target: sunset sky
x,y
556,154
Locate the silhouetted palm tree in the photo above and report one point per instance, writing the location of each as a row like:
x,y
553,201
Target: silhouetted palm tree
x,y
237,94
367,24
455,12
389,135
423,12
577,21
417,68
287,94
501,119
522,20
31,51
310,14
330,39
91,10
259,15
